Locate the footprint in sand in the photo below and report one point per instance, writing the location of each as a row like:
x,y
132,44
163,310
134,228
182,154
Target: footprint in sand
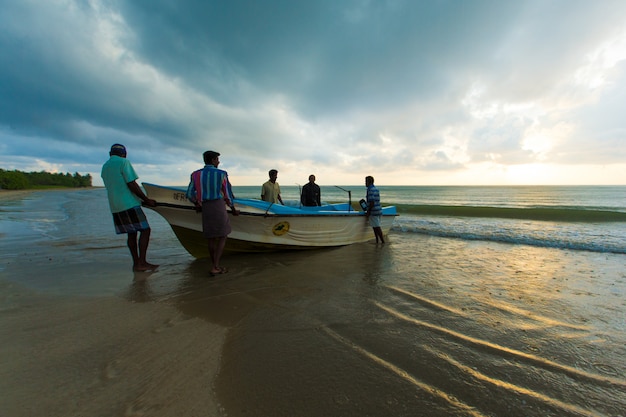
x,y
169,324
110,371
135,410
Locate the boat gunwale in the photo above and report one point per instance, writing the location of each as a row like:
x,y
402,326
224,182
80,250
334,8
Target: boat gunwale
x,y
247,213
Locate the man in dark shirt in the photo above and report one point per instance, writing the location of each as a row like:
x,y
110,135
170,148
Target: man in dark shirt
x,y
311,195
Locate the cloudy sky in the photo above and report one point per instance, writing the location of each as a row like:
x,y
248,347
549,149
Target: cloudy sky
x,y
441,92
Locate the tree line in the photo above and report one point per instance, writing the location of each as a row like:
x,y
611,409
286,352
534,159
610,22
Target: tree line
x,y
18,180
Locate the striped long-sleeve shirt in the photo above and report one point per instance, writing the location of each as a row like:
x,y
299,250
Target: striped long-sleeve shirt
x,y
209,183
373,196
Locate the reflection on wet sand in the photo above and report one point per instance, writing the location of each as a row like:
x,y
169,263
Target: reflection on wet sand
x,y
139,290
352,332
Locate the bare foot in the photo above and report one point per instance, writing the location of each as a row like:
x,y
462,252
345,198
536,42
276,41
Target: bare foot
x,y
218,271
145,267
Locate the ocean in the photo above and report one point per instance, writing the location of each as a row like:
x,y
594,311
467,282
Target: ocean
x,y
485,301
563,217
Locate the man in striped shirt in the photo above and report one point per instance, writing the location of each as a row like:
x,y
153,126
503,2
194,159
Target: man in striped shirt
x,y
210,190
374,210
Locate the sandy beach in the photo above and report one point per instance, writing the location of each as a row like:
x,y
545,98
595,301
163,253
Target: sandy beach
x,y
103,357
82,351
11,194
17,194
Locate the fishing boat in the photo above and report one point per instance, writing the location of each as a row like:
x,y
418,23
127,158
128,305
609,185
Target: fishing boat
x,y
263,227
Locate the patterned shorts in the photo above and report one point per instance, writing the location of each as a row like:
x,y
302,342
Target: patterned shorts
x,y
375,221
130,221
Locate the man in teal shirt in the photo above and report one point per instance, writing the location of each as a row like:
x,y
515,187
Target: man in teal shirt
x,y
125,198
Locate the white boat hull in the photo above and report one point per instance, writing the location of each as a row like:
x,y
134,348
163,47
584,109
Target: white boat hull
x,y
262,227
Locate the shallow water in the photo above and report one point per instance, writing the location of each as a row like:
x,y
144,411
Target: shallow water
x,y
433,327
424,325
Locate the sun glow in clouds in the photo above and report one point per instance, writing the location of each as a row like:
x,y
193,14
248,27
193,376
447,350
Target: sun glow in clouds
x,y
601,62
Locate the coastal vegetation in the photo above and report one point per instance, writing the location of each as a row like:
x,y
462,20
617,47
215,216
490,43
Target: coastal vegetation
x,y
18,180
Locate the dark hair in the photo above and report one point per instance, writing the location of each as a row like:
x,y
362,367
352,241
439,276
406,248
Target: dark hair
x,y
369,178
118,149
209,156
272,171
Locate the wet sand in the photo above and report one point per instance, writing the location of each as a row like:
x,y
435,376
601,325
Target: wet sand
x,y
419,326
438,328
12,194
104,356
81,334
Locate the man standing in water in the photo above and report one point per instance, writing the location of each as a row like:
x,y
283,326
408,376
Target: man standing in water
x,y
125,198
270,191
210,189
374,210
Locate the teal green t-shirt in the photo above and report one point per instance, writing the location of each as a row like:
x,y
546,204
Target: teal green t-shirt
x,y
116,173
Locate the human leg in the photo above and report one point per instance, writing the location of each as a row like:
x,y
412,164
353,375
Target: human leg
x,y
219,249
212,244
140,251
132,246
144,240
132,222
215,227
216,248
375,222
378,232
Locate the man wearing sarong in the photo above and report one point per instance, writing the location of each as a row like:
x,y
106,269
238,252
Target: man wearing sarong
x,y
210,191
125,198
